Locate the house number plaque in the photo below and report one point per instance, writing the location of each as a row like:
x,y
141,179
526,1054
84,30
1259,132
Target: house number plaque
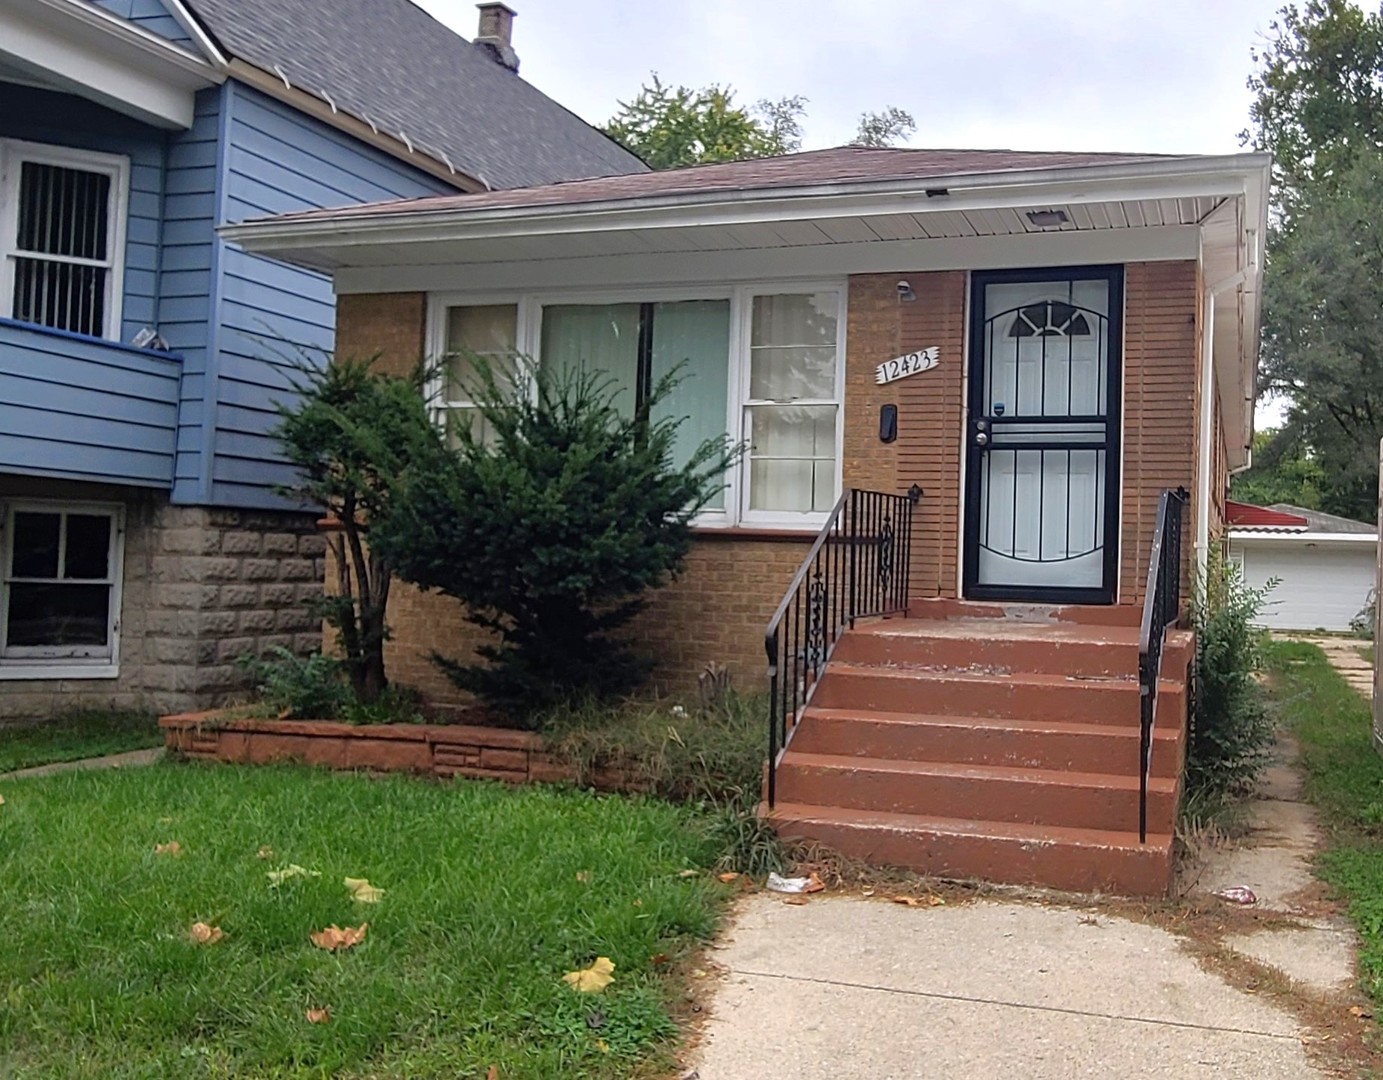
x,y
900,367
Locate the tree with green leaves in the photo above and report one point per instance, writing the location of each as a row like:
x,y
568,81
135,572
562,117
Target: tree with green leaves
x,y
554,514
887,128
1284,471
353,432
1319,109
1323,335
673,126
1318,98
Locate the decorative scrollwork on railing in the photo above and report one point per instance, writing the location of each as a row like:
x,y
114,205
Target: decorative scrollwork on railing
x,y
815,637
857,567
885,543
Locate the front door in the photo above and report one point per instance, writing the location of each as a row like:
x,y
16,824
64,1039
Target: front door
x,y
1042,467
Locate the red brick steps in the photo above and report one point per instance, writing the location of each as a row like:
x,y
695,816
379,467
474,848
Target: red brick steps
x,y
1032,796
978,740
1089,860
977,744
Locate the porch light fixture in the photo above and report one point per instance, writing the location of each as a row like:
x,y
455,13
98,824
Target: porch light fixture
x,y
1045,219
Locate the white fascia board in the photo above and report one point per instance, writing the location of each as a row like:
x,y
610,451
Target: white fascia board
x,y
1302,539
1067,248
1176,178
105,58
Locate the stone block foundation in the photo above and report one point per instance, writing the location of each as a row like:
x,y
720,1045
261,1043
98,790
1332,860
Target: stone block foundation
x,y
200,588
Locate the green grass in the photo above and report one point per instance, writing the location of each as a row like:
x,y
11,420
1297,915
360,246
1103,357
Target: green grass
x,y
76,735
491,895
1344,778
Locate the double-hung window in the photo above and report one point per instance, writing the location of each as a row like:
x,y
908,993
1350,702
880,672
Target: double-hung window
x,y
59,586
61,237
760,365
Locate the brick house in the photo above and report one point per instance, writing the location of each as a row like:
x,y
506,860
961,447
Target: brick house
x,y
144,542
1043,343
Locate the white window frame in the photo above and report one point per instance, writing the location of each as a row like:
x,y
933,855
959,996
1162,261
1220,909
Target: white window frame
x,y
13,154
528,342
63,662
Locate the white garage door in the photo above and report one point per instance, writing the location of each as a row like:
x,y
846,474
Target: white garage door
x,y
1319,588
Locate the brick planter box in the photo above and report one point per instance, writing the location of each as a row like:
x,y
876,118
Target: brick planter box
x,y
441,750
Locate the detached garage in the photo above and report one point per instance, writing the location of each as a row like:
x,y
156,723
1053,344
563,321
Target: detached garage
x,y
1326,566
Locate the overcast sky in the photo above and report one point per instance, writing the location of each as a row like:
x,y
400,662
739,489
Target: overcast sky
x,y
1163,76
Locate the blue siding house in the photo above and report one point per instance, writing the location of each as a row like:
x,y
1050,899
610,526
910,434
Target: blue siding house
x,y
144,544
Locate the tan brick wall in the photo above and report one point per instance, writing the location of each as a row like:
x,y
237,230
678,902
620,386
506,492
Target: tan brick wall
x,y
392,326
1159,406
931,421
717,610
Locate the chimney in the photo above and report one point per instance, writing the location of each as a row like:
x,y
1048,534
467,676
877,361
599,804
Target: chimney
x,y
496,30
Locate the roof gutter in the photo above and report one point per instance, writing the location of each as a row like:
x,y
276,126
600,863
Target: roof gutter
x,y
1225,176
327,111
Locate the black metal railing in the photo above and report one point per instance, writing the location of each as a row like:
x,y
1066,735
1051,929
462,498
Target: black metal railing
x,y
1161,609
857,567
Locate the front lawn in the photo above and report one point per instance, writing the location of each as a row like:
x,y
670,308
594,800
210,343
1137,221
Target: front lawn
x,y
1344,778
76,735
490,896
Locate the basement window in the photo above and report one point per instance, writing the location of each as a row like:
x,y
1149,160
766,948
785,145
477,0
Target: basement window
x,y
59,587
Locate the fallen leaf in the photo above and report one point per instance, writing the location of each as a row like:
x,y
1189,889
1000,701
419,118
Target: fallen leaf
x,y
728,876
2,800
318,1016
492,1073
265,852
1360,1011
363,892
796,900
930,900
292,870
202,934
659,959
638,902
594,979
602,1046
170,848
688,873
814,884
583,876
335,937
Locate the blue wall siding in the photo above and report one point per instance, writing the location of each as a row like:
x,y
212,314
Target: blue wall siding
x,y
42,116
190,209
86,409
274,317
151,15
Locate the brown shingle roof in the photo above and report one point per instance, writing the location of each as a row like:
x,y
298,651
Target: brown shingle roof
x,y
846,164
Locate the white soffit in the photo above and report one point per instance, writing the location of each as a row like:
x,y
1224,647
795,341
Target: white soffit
x,y
82,49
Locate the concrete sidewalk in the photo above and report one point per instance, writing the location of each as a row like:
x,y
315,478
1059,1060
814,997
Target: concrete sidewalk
x,y
109,761
846,988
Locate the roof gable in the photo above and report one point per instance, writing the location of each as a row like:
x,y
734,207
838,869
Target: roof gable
x,y
392,65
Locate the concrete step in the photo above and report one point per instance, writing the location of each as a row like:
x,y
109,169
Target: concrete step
x,y
1026,696
1046,797
1035,744
1075,860
1005,647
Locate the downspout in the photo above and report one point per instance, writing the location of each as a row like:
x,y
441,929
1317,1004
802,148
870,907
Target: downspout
x,y
1207,417
1207,434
